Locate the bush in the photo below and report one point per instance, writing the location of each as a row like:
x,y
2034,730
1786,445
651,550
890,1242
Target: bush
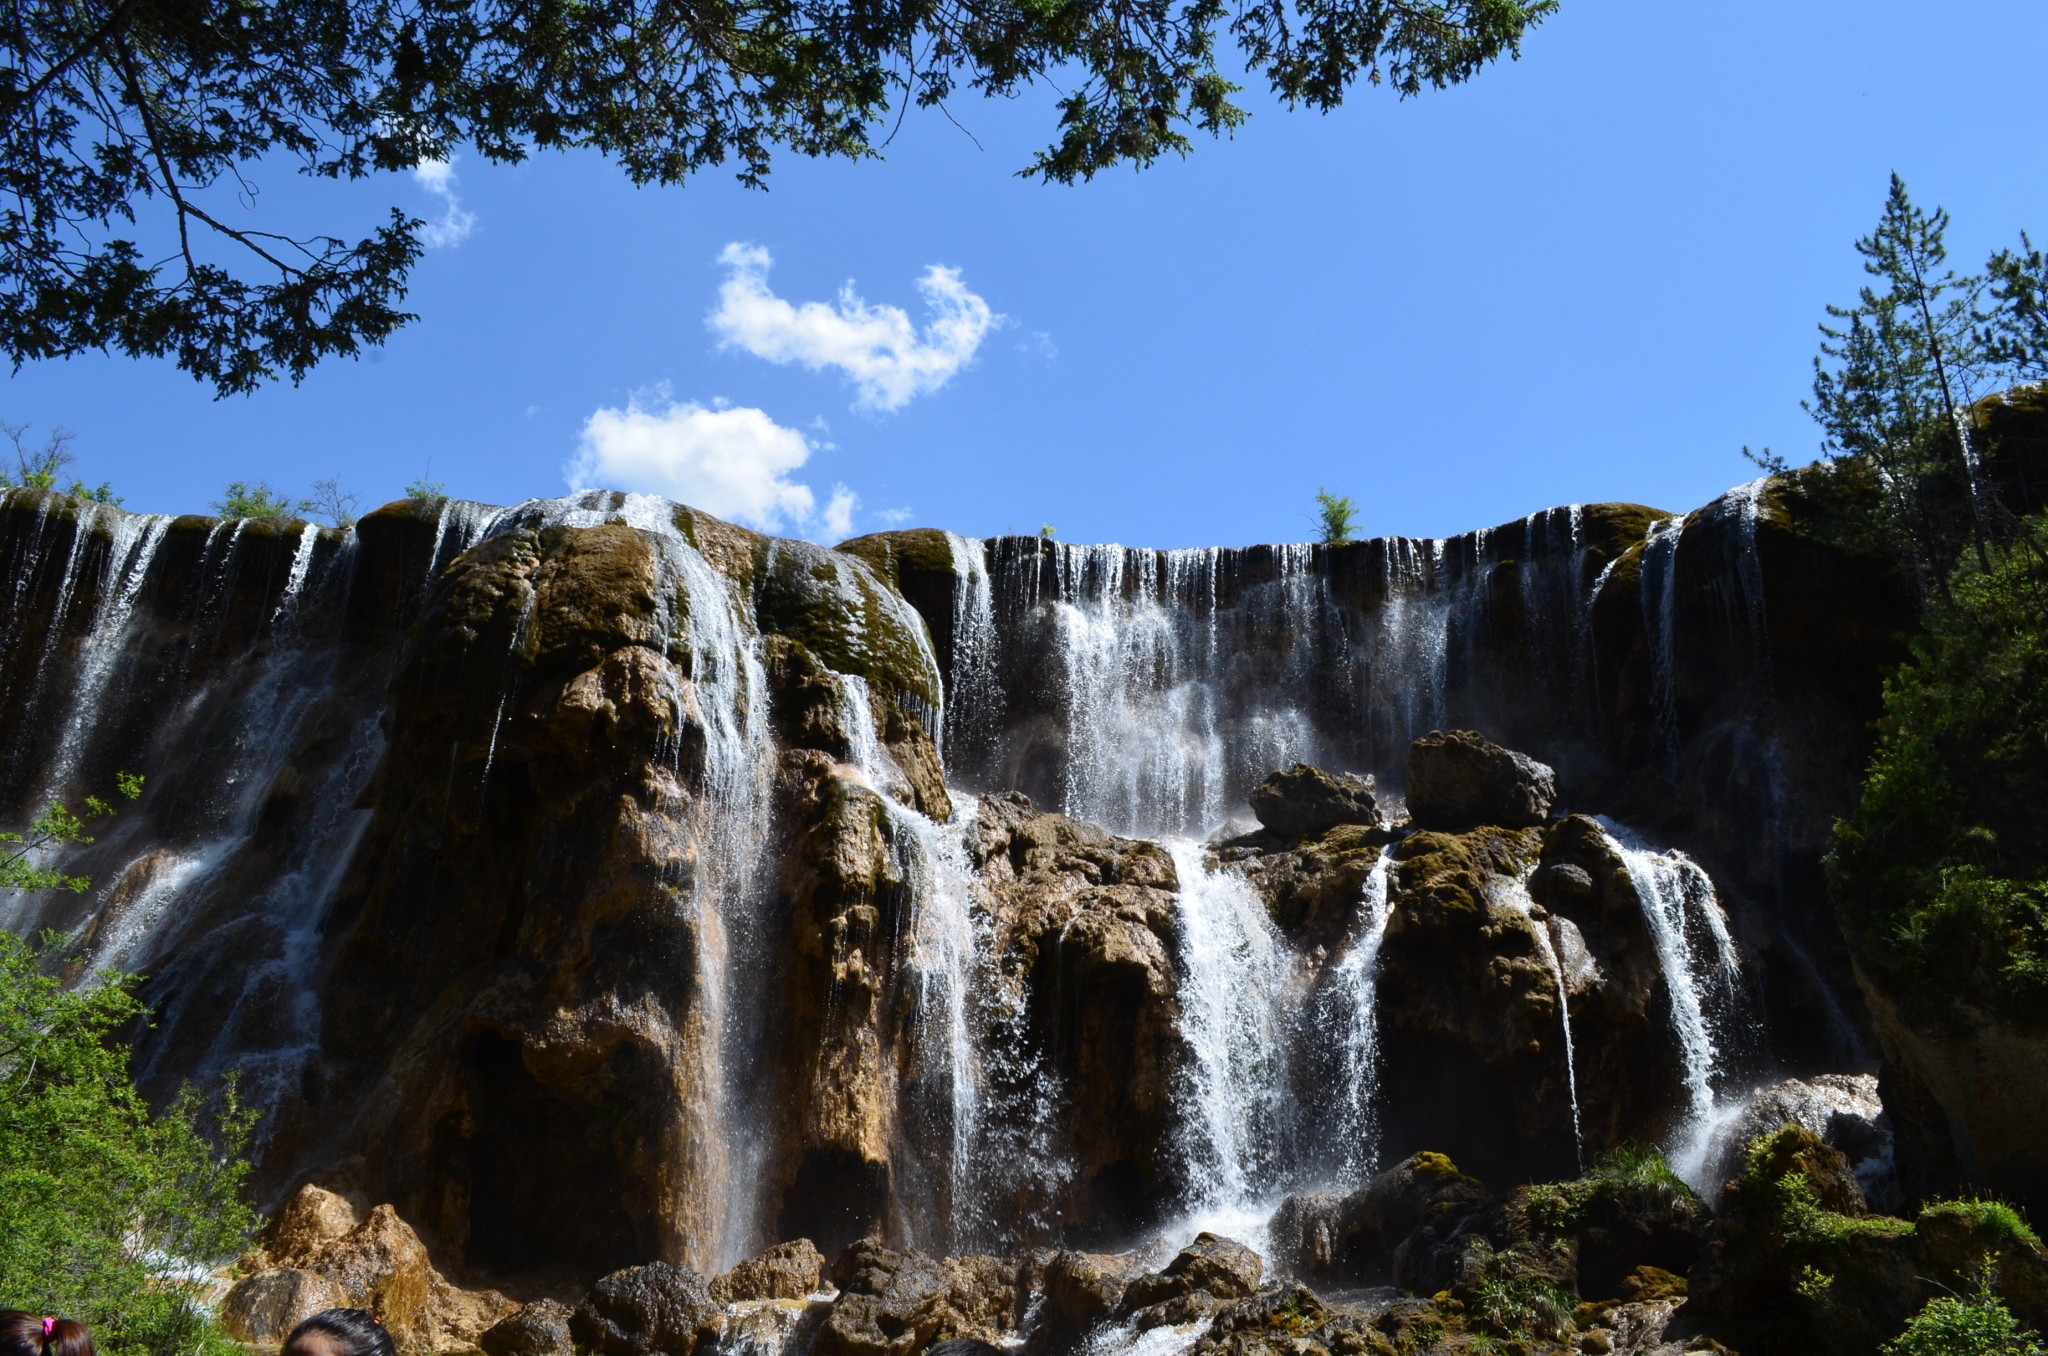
x,y
1980,1326
112,1214
1940,875
243,500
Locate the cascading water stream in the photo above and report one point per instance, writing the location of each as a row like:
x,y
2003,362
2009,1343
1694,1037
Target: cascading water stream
x,y
1236,1017
1701,970
1660,624
1348,1016
1515,894
131,549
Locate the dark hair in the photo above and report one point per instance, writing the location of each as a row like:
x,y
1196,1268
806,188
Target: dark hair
x,y
357,1332
34,1335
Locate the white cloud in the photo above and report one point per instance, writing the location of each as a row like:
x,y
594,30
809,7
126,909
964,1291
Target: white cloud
x,y
734,462
894,517
888,358
438,178
836,521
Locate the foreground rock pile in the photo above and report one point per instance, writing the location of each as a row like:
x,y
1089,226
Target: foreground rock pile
x,y
1624,1261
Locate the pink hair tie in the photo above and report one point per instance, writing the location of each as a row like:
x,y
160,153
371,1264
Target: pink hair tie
x,y
49,1325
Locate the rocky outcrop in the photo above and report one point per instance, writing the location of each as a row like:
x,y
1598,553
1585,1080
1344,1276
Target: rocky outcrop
x,y
319,1254
898,1303
1841,1110
1306,802
1468,992
262,1309
541,1328
1460,781
1083,924
787,1271
637,1311
1080,1291
1386,1232
1200,1281
1798,1263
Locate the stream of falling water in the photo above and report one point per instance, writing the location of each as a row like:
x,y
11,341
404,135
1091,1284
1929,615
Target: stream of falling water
x,y
1700,967
1348,1017
1237,1019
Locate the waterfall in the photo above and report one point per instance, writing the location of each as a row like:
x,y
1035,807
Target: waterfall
x,y
975,708
1514,893
1700,967
1659,574
1348,1021
1236,1019
131,549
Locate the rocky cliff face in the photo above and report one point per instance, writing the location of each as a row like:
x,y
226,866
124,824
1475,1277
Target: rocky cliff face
x,y
596,882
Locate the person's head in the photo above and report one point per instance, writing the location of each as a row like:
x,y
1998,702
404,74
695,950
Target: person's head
x,y
339,1332
42,1335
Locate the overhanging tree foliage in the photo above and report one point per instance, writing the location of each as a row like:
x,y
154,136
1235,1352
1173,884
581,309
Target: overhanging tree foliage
x,y
129,125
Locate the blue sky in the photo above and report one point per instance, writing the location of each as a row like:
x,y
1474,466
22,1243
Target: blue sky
x,y
1593,274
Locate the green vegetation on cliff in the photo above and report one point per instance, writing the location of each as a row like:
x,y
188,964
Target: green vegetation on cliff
x,y
1941,872
109,1213
113,1214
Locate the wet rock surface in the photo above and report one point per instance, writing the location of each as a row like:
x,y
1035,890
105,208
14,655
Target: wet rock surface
x,y
1306,802
895,1303
639,1310
541,1328
1459,781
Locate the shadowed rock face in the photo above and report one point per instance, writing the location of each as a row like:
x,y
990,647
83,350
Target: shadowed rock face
x,y
1460,781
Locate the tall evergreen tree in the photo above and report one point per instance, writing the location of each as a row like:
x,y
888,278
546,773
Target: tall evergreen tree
x,y
1890,384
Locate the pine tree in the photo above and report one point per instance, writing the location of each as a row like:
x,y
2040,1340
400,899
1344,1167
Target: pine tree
x,y
1891,383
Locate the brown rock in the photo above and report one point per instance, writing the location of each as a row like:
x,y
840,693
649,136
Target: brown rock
x,y
660,1307
1223,1267
384,1268
263,1309
538,1329
898,1303
1460,781
789,1271
1081,1290
1306,802
311,1219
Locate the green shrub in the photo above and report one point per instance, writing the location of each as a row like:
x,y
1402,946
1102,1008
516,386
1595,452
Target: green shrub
x,y
112,1214
243,500
1980,1326
1940,875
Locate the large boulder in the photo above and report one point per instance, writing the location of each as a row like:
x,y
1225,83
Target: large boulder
x,y
660,1307
309,1221
1457,780
1385,1230
895,1303
262,1309
1201,1280
1080,1292
1842,1110
1306,802
788,1271
318,1253
539,1329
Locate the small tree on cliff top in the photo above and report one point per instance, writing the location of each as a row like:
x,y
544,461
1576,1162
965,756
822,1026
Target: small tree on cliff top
x,y
1336,517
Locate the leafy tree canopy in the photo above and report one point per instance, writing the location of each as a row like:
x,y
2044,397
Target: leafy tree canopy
x,y
129,125
114,1214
